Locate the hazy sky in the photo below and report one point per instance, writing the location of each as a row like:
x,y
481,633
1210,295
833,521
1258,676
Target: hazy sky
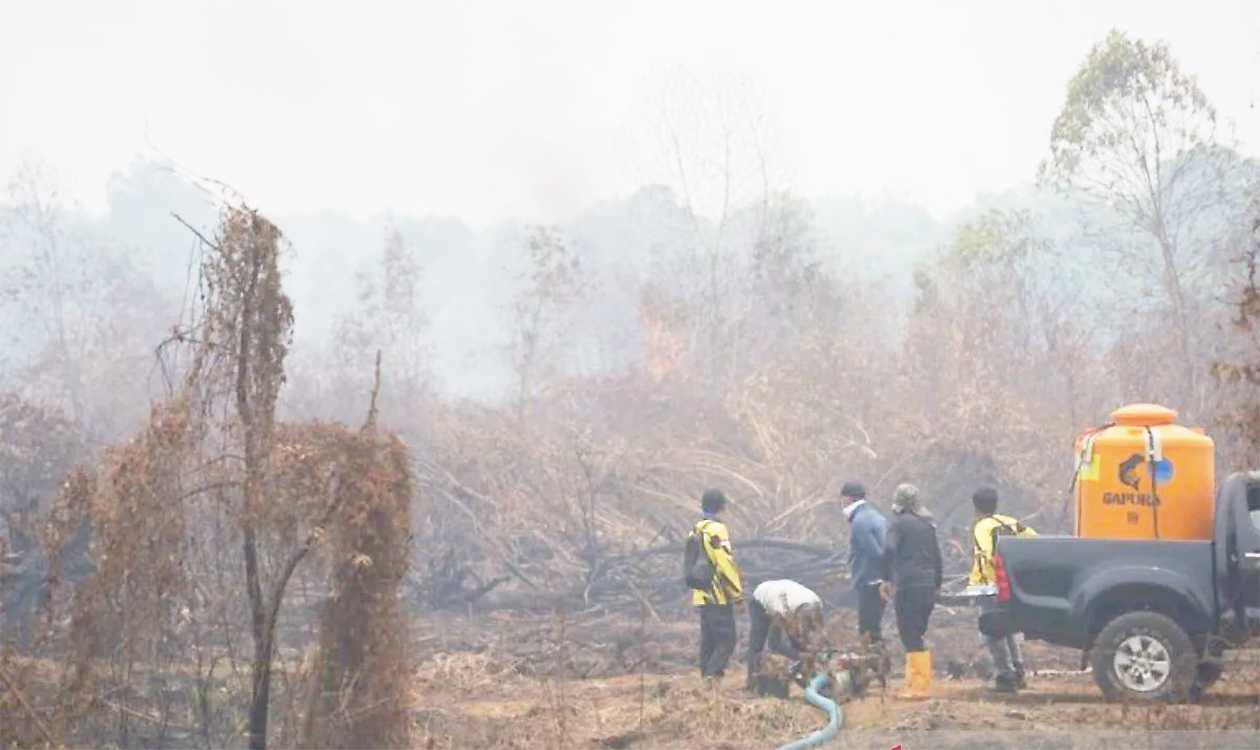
x,y
534,110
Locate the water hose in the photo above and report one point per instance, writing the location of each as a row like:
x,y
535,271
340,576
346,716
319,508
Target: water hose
x,y
834,715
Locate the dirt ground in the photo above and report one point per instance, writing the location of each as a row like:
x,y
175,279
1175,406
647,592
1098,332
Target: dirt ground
x,y
678,710
606,682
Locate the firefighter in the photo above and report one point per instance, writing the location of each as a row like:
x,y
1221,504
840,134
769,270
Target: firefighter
x,y
719,590
1008,663
789,616
912,577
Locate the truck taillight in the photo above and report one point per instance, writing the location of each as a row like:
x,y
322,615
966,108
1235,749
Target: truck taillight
x,y
1000,580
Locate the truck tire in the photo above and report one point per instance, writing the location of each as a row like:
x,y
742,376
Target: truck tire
x,y
1144,657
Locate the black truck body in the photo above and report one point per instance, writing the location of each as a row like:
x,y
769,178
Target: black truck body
x,y
1162,611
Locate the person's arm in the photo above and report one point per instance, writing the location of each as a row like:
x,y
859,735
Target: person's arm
x,y
888,553
851,561
878,536
724,562
892,541
937,563
870,543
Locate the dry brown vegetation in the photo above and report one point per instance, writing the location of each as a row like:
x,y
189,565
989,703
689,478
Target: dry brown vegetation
x,y
239,569
153,650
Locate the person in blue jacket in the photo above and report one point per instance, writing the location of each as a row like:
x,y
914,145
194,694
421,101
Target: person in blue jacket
x,y
867,529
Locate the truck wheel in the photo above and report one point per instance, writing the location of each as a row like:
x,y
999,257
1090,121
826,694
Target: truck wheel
x,y
1144,656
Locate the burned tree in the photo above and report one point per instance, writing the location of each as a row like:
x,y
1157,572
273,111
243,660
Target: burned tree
x,y
124,617
245,332
298,486
360,679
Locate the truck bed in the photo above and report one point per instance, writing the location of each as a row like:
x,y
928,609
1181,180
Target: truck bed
x,y
1063,588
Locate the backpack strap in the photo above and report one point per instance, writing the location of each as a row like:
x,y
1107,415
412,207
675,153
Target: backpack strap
x,y
1012,530
698,530
975,527
993,533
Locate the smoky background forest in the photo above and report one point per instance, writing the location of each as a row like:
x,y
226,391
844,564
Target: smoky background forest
x,y
250,458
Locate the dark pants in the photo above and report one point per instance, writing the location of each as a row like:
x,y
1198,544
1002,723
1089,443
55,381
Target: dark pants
x,y
914,606
1007,660
761,627
870,612
717,638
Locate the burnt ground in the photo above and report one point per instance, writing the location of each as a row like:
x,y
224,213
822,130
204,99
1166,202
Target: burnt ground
x,y
596,680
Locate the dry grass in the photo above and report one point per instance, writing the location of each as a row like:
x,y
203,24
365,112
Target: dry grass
x,y
526,714
680,711
464,673
495,698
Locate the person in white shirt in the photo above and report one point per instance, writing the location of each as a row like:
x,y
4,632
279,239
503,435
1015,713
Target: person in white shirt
x,y
788,615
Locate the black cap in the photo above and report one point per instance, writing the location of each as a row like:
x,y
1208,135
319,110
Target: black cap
x,y
712,501
854,490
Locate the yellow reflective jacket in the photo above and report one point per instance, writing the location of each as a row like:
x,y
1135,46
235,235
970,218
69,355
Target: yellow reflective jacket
x,y
982,545
716,543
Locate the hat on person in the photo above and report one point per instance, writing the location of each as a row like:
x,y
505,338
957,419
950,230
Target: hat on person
x,y
905,499
853,490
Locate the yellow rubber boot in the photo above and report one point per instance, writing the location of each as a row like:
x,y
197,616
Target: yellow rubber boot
x,y
923,673
918,675
907,689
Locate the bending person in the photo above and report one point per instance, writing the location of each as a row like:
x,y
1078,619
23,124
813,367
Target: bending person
x,y
788,616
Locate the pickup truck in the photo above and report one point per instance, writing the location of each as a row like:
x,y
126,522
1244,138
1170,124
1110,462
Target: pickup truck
x,y
1152,618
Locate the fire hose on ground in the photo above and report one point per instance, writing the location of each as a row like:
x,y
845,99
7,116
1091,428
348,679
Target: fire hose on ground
x,y
835,717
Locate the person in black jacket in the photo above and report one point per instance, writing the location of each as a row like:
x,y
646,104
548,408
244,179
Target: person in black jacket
x,y
912,563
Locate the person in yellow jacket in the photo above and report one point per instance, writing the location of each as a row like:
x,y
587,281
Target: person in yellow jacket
x,y
716,596
988,526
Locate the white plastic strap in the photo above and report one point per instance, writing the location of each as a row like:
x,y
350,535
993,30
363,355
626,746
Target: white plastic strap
x,y
1154,446
1086,456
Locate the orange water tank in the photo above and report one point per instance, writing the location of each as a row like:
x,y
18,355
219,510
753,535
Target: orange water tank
x,y
1145,477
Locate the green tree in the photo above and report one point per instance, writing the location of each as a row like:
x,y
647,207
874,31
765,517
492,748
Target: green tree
x,y
1139,136
996,362
554,281
388,319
